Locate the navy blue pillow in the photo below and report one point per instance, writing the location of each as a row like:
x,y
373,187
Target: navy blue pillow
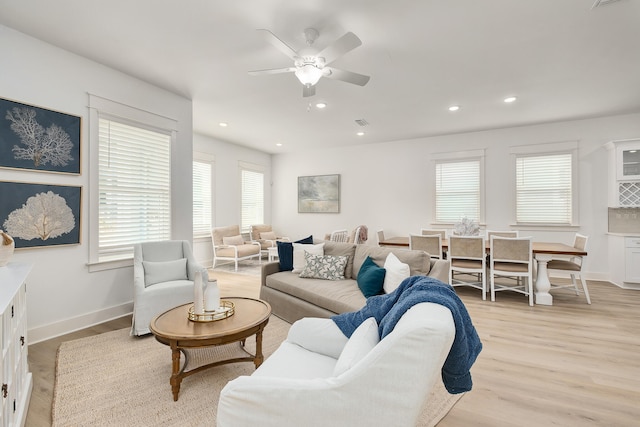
x,y
285,252
371,278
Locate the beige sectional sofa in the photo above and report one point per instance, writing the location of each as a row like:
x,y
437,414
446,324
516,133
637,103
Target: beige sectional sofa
x,y
292,297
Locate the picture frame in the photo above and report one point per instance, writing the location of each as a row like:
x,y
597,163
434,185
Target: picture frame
x,y
39,139
319,194
41,215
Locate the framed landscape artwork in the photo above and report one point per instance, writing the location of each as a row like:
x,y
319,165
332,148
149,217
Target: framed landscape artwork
x,y
319,194
40,215
35,138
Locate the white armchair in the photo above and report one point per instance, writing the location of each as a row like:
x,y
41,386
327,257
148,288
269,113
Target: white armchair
x,y
163,275
264,234
301,383
229,245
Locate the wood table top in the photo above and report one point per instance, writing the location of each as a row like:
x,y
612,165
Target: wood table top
x,y
174,324
537,247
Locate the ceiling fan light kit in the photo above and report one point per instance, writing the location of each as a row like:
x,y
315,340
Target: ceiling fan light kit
x,y
310,65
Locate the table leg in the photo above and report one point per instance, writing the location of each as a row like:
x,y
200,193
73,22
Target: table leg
x,y
259,357
543,285
176,378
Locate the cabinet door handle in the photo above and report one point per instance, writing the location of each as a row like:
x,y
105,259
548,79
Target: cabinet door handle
x,y
22,340
5,390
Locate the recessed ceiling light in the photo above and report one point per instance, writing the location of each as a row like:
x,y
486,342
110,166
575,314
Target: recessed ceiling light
x,y
279,144
223,124
360,133
454,108
321,105
510,99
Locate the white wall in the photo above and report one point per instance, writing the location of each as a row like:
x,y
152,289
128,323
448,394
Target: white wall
x,y
390,185
227,186
62,294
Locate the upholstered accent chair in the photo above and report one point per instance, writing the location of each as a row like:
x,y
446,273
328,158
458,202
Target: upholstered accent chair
x,y
264,234
431,244
163,275
318,377
229,245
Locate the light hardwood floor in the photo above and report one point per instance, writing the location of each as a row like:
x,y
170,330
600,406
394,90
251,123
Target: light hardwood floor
x,y
570,364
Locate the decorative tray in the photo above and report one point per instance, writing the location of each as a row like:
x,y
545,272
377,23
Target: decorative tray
x,y
226,309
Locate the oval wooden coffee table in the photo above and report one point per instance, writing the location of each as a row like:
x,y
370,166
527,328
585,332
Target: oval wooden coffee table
x,y
173,328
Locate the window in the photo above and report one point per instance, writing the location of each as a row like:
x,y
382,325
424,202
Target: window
x,y
202,195
459,187
130,179
252,196
544,189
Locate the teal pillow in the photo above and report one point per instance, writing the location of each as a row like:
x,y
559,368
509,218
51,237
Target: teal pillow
x,y
370,278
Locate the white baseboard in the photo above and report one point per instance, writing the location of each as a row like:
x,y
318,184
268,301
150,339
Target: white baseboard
x,y
66,326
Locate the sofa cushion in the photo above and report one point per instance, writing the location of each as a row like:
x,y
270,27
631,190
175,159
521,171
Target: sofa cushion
x,y
268,235
299,250
419,261
243,251
337,296
361,342
327,267
164,271
396,272
285,252
318,335
371,278
342,249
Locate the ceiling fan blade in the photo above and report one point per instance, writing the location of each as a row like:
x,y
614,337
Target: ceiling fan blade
x,y
341,46
308,91
347,76
272,71
277,43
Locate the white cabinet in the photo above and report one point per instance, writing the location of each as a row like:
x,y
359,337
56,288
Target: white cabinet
x,y
624,173
15,377
632,260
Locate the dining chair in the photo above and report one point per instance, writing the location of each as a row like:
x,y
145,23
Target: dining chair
x,y
511,233
339,236
431,232
380,236
431,244
467,257
571,266
511,257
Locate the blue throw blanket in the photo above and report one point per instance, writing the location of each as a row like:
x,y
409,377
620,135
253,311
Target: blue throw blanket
x,y
387,309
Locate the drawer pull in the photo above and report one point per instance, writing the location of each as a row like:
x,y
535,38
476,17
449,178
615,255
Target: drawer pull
x,y
5,390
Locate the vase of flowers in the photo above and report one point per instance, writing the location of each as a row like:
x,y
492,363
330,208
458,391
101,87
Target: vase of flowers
x,y
466,227
7,246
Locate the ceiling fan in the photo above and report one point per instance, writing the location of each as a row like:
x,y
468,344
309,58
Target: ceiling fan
x,y
311,64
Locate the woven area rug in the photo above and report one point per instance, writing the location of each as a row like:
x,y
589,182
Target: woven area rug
x,y
113,379
250,267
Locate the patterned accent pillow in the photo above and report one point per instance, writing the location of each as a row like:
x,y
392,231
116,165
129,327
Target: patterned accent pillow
x,y
327,267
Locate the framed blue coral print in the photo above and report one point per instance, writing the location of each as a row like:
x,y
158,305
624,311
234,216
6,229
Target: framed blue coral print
x,y
39,139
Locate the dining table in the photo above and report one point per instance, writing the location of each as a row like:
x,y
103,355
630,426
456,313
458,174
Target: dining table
x,y
543,252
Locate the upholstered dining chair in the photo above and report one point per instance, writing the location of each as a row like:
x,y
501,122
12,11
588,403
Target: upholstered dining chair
x,y
572,267
264,234
467,257
229,245
339,236
163,275
430,244
511,257
431,232
510,233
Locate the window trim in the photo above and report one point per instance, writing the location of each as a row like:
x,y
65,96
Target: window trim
x,y
210,159
126,114
461,156
549,149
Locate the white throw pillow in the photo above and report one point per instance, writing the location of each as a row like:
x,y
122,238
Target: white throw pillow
x,y
164,271
268,235
361,342
397,271
233,240
318,335
298,254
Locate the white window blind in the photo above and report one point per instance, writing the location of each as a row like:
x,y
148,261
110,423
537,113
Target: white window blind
x,y
202,199
543,189
458,190
252,208
134,187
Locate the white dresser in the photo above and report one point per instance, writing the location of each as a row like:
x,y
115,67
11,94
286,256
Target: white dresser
x,y
16,379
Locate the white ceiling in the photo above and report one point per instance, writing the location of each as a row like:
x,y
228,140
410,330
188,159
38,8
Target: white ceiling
x,y
561,58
